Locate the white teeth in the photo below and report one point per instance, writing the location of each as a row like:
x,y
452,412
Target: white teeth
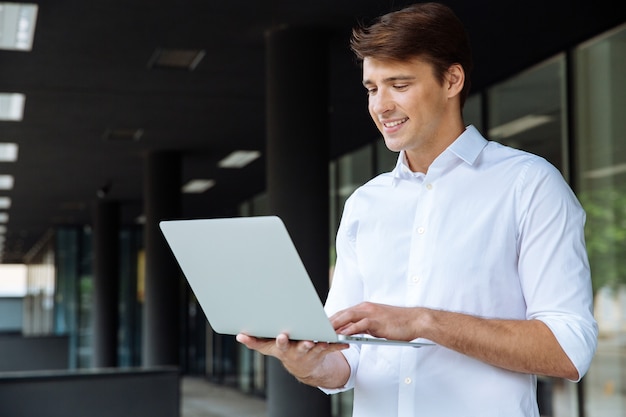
x,y
396,123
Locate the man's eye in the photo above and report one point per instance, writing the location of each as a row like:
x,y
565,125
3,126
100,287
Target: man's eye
x,y
371,91
400,86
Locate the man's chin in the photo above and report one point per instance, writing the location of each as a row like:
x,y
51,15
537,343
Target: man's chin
x,y
392,145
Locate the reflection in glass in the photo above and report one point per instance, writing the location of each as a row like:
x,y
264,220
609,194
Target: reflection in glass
x,y
600,125
528,111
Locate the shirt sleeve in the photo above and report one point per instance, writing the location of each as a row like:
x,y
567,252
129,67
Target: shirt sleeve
x,y
346,287
553,264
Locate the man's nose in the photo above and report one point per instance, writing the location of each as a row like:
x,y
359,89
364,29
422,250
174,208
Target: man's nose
x,y
381,102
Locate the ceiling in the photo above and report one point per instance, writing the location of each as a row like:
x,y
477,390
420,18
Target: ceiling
x,y
89,73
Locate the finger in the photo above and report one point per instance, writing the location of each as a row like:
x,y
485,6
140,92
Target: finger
x,y
282,342
346,318
245,339
340,316
306,346
361,326
325,347
263,346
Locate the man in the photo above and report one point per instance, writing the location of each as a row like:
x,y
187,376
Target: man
x,y
472,245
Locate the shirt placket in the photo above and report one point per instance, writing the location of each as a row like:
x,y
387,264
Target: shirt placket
x,y
417,271
407,404
415,280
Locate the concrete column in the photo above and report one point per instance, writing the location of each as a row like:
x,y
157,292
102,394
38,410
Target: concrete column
x,y
106,283
161,318
297,179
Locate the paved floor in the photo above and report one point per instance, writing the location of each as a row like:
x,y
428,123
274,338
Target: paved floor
x,y
200,398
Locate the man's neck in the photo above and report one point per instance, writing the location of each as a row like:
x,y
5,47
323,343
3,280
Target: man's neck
x,y
419,160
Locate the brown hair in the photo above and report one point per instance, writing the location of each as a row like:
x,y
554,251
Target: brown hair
x,y
430,31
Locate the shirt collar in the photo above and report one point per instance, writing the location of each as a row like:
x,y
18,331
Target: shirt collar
x,y
466,147
469,145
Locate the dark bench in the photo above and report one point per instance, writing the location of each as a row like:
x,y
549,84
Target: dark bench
x,y
94,393
33,353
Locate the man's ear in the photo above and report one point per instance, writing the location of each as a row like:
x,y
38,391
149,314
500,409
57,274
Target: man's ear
x,y
455,79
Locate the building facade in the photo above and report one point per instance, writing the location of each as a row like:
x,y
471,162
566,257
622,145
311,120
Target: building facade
x,y
570,109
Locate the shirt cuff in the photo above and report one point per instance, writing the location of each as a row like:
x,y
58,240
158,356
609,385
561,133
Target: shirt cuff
x,y
352,356
578,341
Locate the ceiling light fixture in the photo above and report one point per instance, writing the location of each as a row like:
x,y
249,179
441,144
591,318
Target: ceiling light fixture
x,y
238,159
6,182
3,229
5,203
517,126
187,59
4,217
12,106
198,186
8,152
17,25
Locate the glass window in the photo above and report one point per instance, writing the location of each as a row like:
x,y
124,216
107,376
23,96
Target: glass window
x,y
346,174
40,290
73,294
129,349
472,112
353,170
385,159
528,111
600,128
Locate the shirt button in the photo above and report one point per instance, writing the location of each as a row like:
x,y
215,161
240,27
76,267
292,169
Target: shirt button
x,y
415,278
429,186
421,230
407,380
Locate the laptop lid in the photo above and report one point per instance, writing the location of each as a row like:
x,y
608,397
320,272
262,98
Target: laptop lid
x,y
248,278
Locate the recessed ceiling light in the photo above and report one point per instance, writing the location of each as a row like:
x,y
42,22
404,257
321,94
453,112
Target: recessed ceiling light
x,y
176,58
4,217
18,25
3,229
198,186
6,182
5,203
238,159
12,106
8,152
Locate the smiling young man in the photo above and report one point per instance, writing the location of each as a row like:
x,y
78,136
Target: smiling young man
x,y
415,111
472,245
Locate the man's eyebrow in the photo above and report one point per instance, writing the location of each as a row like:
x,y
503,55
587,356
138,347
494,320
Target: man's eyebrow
x,y
391,80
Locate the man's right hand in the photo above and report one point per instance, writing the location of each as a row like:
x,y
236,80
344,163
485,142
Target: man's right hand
x,y
317,364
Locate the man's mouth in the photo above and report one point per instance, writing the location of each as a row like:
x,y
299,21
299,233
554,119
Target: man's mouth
x,y
395,123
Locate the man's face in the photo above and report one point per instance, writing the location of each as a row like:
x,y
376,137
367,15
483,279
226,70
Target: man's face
x,y
407,103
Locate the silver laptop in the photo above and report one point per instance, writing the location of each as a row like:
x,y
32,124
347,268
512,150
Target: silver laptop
x,y
248,278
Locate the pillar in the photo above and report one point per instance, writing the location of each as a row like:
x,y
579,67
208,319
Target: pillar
x,y
161,314
297,180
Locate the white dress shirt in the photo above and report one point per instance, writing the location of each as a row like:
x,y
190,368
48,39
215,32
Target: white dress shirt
x,y
489,231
